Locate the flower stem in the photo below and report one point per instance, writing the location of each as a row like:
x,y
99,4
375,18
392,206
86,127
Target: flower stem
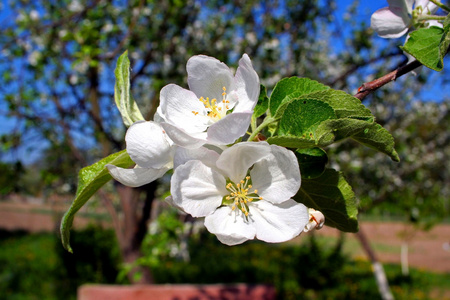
x,y
264,124
425,18
443,6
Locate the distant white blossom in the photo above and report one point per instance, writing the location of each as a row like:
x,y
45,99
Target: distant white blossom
x,y
395,20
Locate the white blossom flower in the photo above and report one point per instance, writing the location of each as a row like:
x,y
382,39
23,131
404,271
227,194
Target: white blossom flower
x,y
218,107
243,194
152,151
395,20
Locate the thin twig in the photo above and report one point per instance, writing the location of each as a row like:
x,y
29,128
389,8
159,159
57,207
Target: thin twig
x,y
355,67
372,86
441,5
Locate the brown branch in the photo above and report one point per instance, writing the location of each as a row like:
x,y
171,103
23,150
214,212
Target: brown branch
x,y
95,117
356,66
66,130
125,39
372,86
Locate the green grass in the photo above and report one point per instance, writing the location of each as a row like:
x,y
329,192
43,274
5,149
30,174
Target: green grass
x,y
36,267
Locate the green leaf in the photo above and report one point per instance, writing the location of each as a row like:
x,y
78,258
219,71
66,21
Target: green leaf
x,y
125,103
263,103
378,138
312,162
321,118
303,116
424,44
290,88
90,179
445,40
333,196
292,142
343,104
321,135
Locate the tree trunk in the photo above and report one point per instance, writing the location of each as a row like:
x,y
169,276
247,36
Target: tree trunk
x,y
135,216
404,259
378,271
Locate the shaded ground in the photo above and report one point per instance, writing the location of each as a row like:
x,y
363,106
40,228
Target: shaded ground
x,y
426,250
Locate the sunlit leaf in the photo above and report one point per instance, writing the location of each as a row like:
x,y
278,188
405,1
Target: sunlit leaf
x,y
90,179
424,44
125,103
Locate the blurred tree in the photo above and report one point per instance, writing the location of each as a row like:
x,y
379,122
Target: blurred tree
x,y
58,58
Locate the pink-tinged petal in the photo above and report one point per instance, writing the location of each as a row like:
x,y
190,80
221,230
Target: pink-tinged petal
x,y
137,176
184,139
157,117
229,226
228,129
276,223
169,200
401,5
197,188
247,85
235,161
388,24
181,108
276,177
205,155
148,145
207,76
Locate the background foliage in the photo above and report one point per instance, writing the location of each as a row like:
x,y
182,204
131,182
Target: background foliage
x,y
56,97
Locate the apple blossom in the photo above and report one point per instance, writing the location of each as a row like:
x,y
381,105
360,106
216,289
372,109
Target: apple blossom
x,y
218,107
244,193
316,220
152,151
395,20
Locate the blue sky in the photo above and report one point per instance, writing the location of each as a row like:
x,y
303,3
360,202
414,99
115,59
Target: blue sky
x,y
435,92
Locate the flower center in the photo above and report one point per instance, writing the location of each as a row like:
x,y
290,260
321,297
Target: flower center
x,y
240,195
215,110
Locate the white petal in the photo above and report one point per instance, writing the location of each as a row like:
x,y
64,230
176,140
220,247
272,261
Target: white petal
x,y
430,8
184,139
388,24
230,226
207,76
179,107
276,177
197,188
236,160
247,84
137,176
148,145
434,23
228,129
277,223
206,156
